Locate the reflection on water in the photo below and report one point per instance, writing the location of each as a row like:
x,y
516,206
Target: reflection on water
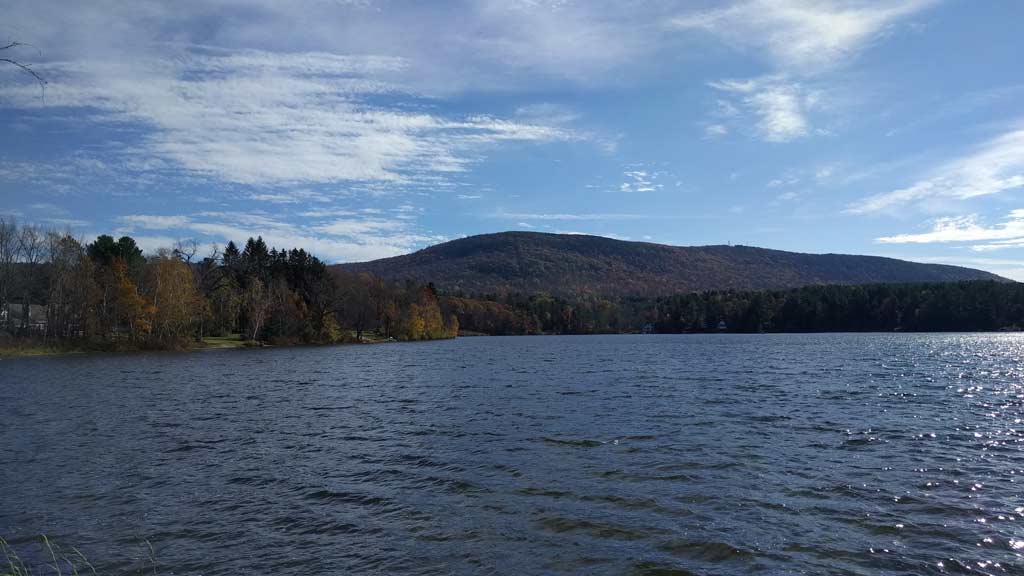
x,y
719,454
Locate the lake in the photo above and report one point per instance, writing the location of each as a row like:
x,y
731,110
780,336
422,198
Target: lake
x,y
658,455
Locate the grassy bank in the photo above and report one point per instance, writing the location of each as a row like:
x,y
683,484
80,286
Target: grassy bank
x,y
225,341
27,348
23,349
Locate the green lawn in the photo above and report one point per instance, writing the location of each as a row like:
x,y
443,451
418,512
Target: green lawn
x,y
226,341
26,350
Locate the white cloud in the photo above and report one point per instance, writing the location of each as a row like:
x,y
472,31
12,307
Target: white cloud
x,y
568,217
824,173
600,235
1008,234
449,47
640,180
67,175
1017,243
289,197
275,118
578,40
66,223
153,222
802,36
1005,267
715,130
337,239
782,117
801,39
996,166
52,216
726,109
359,227
49,208
152,244
263,109
547,113
779,106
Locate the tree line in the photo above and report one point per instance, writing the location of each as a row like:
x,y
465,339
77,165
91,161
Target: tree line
x,y
107,293
924,307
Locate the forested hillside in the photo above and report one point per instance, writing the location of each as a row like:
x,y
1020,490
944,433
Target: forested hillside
x,y
951,306
575,265
107,294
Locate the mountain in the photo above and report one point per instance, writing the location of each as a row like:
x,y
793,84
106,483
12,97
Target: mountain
x,y
570,264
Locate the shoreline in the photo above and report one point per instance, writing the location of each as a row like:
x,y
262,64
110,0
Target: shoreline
x,y
12,353
209,344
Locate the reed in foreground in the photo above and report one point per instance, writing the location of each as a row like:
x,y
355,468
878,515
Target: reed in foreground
x,y
51,559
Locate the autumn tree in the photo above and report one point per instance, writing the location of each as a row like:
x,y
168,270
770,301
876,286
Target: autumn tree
x,y
177,305
451,326
255,305
108,293
285,314
132,311
413,323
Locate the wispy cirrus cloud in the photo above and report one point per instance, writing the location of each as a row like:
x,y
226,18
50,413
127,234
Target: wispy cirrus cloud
x,y
641,180
994,167
450,46
567,217
290,197
801,36
715,130
153,222
779,106
968,229
547,113
598,234
345,238
262,118
1005,267
801,39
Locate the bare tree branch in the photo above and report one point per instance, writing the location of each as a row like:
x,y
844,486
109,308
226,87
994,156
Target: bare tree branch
x,y
27,68
186,250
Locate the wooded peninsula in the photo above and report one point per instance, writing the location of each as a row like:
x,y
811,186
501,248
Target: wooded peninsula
x,y
58,292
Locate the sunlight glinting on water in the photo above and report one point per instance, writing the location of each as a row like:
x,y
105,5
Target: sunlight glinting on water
x,y
778,454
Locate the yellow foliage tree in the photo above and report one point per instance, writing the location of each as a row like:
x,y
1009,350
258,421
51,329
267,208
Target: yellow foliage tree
x,y
451,329
133,311
416,325
177,303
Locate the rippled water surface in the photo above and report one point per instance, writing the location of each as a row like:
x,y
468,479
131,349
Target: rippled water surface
x,y
723,454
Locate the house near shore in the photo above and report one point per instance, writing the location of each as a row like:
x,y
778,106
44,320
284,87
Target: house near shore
x,y
14,316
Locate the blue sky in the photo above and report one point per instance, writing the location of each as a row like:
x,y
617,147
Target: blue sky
x,y
368,128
